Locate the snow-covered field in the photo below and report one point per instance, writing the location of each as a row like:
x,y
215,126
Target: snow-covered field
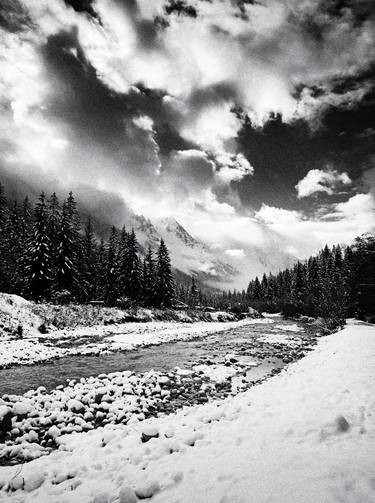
x,y
306,435
103,339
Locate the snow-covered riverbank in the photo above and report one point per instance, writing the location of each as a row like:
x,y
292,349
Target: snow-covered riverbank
x,y
103,339
23,343
305,435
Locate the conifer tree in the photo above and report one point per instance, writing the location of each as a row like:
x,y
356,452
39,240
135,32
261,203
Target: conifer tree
x,y
4,241
149,286
89,261
131,268
75,236
54,218
164,280
121,262
193,294
111,291
39,258
100,271
66,276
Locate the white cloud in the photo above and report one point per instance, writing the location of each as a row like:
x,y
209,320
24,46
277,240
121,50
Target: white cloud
x,y
236,253
212,127
319,180
144,122
340,223
233,168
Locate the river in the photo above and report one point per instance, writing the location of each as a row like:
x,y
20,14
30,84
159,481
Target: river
x,y
244,341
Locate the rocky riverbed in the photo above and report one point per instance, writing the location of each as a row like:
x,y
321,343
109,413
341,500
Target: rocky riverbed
x,y
32,424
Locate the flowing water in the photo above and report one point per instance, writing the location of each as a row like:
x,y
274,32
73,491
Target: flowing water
x,y
243,341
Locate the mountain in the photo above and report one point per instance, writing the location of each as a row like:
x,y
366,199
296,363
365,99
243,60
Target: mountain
x,y
213,267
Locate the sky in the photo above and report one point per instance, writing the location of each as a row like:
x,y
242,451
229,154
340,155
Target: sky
x,y
242,119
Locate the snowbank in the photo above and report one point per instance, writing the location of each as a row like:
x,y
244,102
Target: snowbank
x,y
16,317
306,435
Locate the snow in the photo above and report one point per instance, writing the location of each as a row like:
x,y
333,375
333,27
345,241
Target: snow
x,y
103,339
15,311
290,328
280,338
218,373
306,435
4,410
21,408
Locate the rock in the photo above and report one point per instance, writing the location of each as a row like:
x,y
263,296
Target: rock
x,y
149,432
5,420
127,495
102,497
21,408
34,481
54,432
147,490
342,424
4,410
16,483
75,405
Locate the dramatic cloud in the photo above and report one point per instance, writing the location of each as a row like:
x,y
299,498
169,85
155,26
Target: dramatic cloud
x,y
210,111
319,180
336,223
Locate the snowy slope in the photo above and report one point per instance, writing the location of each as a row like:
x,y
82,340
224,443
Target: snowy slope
x,y
212,266
194,257
305,436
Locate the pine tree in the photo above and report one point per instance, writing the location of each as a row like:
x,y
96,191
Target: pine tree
x,y
25,232
164,280
257,290
89,261
4,241
121,261
54,218
16,249
149,285
100,271
66,276
76,254
193,294
39,258
130,274
111,291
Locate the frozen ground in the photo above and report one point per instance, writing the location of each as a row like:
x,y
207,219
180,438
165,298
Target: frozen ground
x,y
101,339
306,435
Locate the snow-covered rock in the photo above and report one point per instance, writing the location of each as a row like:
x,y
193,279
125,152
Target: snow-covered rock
x,y
285,441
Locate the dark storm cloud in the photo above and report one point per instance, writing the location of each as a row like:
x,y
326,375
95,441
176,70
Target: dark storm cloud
x,y
147,30
341,142
362,10
169,139
14,16
203,96
85,6
154,96
79,97
181,8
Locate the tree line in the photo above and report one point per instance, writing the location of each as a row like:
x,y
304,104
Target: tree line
x,y
335,284
46,253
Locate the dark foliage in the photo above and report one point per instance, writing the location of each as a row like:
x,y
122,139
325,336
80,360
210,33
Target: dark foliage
x,y
50,255
332,285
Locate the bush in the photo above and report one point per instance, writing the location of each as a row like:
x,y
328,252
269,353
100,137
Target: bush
x,y
61,297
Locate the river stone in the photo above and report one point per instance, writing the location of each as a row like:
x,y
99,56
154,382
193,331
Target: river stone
x,y
75,405
127,495
148,490
21,408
